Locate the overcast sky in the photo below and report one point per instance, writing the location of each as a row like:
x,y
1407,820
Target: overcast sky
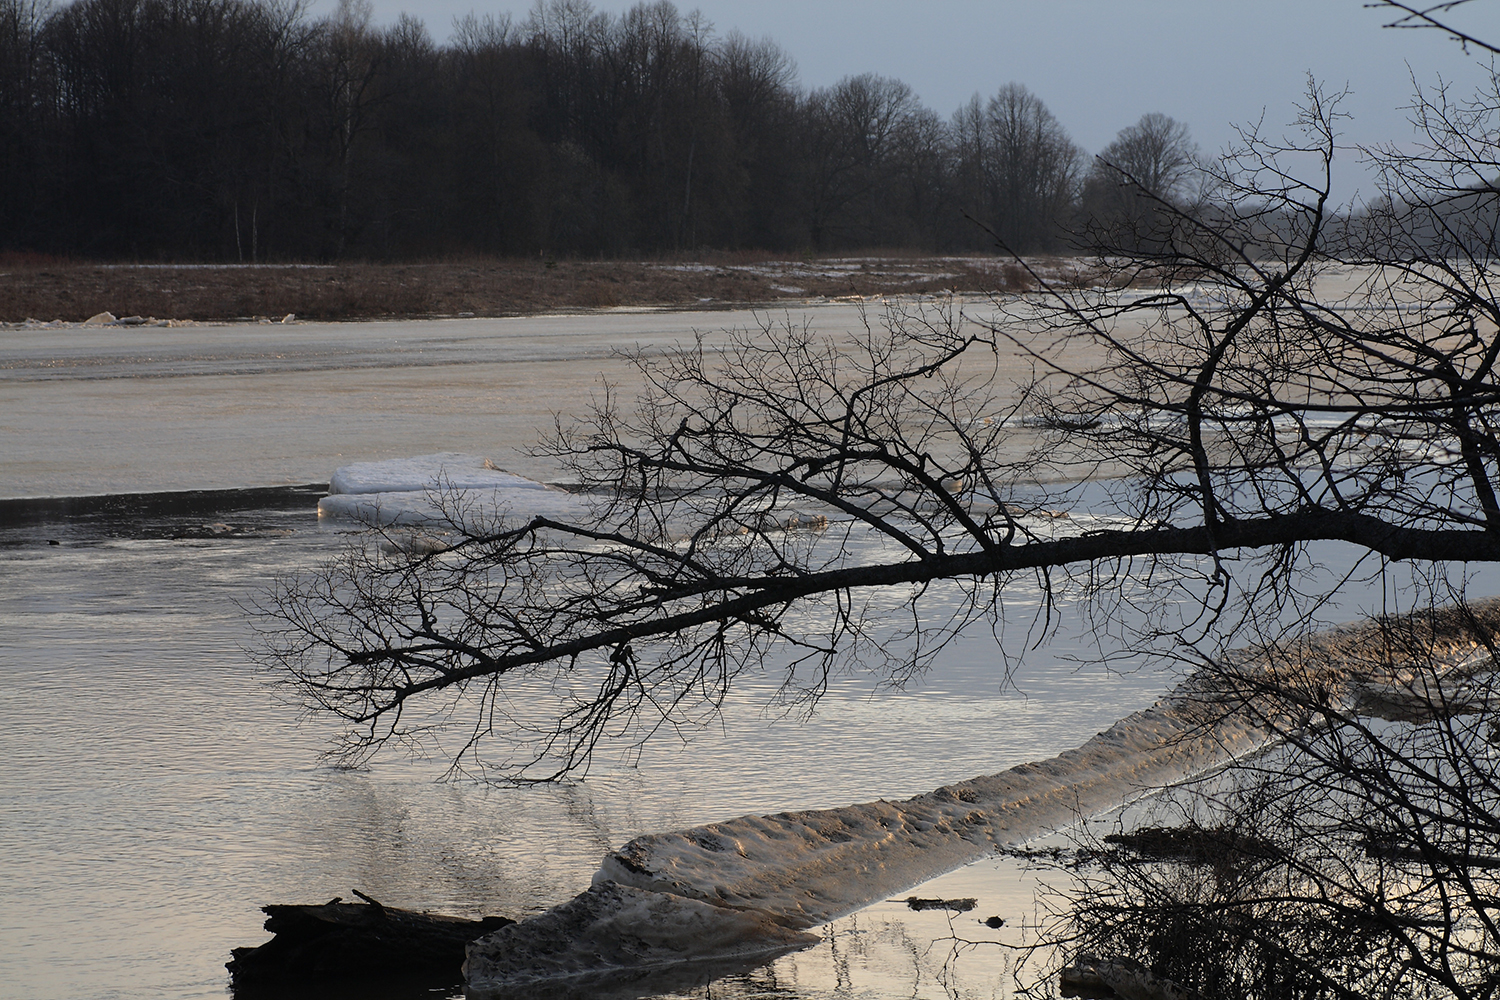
x,y
1098,64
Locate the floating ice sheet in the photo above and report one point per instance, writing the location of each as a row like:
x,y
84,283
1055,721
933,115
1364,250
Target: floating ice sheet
x,y
474,510
613,929
447,490
423,473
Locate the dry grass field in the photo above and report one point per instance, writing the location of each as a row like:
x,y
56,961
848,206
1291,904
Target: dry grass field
x,y
42,289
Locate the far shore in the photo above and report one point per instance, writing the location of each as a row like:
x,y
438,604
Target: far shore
x,y
43,290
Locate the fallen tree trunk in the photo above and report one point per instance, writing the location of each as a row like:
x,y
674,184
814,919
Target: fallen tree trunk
x,y
338,939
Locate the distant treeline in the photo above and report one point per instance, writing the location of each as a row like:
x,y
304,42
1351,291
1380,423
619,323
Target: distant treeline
x,y
244,130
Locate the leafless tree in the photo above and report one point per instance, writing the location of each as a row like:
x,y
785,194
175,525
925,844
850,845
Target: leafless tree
x,y
25,99
1157,153
1257,383
851,131
1153,160
351,62
1018,170
1355,858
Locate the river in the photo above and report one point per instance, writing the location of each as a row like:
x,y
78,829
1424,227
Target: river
x,y
156,787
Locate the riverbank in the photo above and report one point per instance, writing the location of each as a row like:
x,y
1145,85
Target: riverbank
x,y
46,291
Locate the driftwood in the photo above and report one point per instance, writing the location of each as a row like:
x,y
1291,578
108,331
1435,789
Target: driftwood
x,y
1194,845
1120,978
955,905
1081,979
352,940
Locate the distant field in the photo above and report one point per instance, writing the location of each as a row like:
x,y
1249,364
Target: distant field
x,y
48,290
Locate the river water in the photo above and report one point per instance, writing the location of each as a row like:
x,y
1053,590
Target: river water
x,y
156,788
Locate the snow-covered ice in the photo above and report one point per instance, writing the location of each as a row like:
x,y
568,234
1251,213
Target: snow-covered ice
x,y
443,470
448,490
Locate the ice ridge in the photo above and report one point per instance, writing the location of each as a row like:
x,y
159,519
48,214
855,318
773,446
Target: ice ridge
x,y
757,884
778,876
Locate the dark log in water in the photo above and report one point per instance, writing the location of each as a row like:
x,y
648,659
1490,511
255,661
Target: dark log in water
x,y
956,905
1104,979
1195,845
349,940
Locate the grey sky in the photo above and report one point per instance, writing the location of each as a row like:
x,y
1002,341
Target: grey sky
x,y
1098,64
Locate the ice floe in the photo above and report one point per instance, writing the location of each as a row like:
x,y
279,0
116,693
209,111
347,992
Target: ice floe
x,y
444,470
615,928
447,490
